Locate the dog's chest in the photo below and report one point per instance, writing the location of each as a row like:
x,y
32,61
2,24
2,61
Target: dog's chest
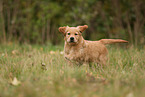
x,y
75,54
76,51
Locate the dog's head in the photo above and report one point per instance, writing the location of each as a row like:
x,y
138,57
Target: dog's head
x,y
72,35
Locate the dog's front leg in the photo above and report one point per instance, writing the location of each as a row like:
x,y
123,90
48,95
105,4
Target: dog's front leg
x,y
68,60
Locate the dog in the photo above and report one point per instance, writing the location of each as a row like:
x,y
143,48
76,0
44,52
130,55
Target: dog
x,y
81,51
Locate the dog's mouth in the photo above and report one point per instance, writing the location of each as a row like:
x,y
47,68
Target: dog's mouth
x,y
71,41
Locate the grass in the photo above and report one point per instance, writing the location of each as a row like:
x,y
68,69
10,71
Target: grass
x,y
123,77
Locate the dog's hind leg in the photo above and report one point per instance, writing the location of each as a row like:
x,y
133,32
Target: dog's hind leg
x,y
103,59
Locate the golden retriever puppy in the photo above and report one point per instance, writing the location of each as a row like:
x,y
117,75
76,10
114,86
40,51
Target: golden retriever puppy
x,y
82,51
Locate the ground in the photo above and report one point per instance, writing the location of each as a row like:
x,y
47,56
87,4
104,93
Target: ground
x,y
41,71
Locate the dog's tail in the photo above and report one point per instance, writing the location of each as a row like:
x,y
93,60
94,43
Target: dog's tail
x,y
111,41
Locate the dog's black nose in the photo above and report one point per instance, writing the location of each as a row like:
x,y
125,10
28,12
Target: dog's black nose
x,y
72,38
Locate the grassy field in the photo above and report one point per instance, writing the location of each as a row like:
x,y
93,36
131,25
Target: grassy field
x,y
123,77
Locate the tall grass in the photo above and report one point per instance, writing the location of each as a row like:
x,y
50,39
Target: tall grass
x,y
124,76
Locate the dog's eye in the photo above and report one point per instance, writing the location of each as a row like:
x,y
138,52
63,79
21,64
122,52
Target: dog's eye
x,y
68,33
76,34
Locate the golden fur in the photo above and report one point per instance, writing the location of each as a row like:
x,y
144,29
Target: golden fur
x,y
84,51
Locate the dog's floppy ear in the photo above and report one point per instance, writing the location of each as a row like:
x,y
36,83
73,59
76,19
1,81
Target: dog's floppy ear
x,y
62,30
82,28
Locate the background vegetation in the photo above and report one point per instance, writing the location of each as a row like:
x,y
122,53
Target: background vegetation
x,y
37,21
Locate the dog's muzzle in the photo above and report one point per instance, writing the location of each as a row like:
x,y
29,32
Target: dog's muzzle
x,y
71,39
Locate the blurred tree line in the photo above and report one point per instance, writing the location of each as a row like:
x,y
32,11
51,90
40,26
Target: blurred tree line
x,y
37,21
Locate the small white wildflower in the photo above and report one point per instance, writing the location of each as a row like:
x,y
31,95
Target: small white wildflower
x,y
61,52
